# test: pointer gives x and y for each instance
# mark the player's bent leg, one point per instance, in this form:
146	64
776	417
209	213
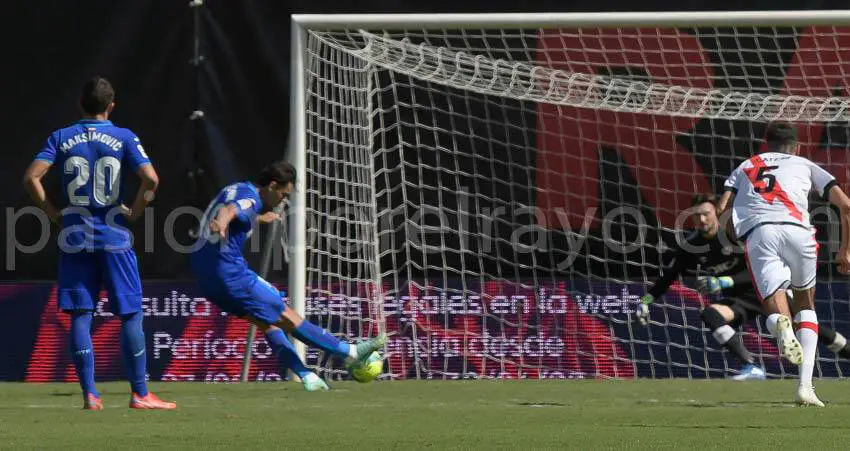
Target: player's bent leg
835	341
717	317
779	325
777	303
801	255
285	351
288	358
789	345
266	305
314	335
727	315
771	277
82	353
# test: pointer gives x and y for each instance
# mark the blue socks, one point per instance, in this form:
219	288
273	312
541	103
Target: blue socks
132	347
82	351
133	350
316	336
285	353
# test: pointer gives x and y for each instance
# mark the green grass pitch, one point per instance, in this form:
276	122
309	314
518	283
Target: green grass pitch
644	414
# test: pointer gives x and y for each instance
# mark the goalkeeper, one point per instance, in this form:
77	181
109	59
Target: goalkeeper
720	268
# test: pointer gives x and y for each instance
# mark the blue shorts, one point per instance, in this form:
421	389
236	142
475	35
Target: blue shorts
253	296
82	274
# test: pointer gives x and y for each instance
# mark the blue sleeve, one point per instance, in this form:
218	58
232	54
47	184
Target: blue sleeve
48	152
134	154
247	205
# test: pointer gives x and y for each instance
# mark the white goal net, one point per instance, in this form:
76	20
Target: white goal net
498	199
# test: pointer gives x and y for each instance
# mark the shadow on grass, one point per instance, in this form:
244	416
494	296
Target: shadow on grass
726	426
727	404
542	404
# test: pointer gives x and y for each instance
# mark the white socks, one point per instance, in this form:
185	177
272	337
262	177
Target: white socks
771	323
807	333
723	333
839	343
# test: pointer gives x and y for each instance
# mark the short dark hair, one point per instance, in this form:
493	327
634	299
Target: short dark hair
780	134
96	95
281	172
702	198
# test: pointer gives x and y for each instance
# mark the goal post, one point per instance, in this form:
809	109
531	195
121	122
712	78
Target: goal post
297	155
496	190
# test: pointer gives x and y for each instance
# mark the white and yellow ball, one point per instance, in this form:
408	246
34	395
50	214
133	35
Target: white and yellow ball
369	370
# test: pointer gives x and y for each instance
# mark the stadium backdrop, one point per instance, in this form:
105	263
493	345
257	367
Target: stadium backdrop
189	339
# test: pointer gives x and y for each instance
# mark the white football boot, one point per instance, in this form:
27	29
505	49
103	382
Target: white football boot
806	397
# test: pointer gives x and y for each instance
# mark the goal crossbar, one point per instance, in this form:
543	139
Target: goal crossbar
601	20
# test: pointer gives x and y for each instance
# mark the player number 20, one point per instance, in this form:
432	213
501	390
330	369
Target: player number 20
107	173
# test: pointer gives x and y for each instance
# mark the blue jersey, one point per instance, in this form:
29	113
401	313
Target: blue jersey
222	263
94	158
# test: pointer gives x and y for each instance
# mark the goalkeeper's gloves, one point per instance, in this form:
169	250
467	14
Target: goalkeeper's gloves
712	285
642	309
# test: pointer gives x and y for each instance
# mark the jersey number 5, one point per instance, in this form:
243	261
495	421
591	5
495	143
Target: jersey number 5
766	181
107	180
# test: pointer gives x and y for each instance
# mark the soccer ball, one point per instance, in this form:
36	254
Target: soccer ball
368	370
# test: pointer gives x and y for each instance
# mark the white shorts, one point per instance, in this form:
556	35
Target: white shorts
780	256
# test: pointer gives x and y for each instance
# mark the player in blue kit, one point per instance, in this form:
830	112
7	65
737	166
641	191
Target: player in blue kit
94	158
224	277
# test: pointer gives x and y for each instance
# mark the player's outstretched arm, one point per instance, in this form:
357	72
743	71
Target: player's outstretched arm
223	218
268	217
32	183
840	200
147	187
675	262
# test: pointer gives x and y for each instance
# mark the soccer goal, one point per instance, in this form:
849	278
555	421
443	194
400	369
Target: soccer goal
495	190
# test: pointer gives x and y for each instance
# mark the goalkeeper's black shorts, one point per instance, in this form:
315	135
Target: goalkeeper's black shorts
748	305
